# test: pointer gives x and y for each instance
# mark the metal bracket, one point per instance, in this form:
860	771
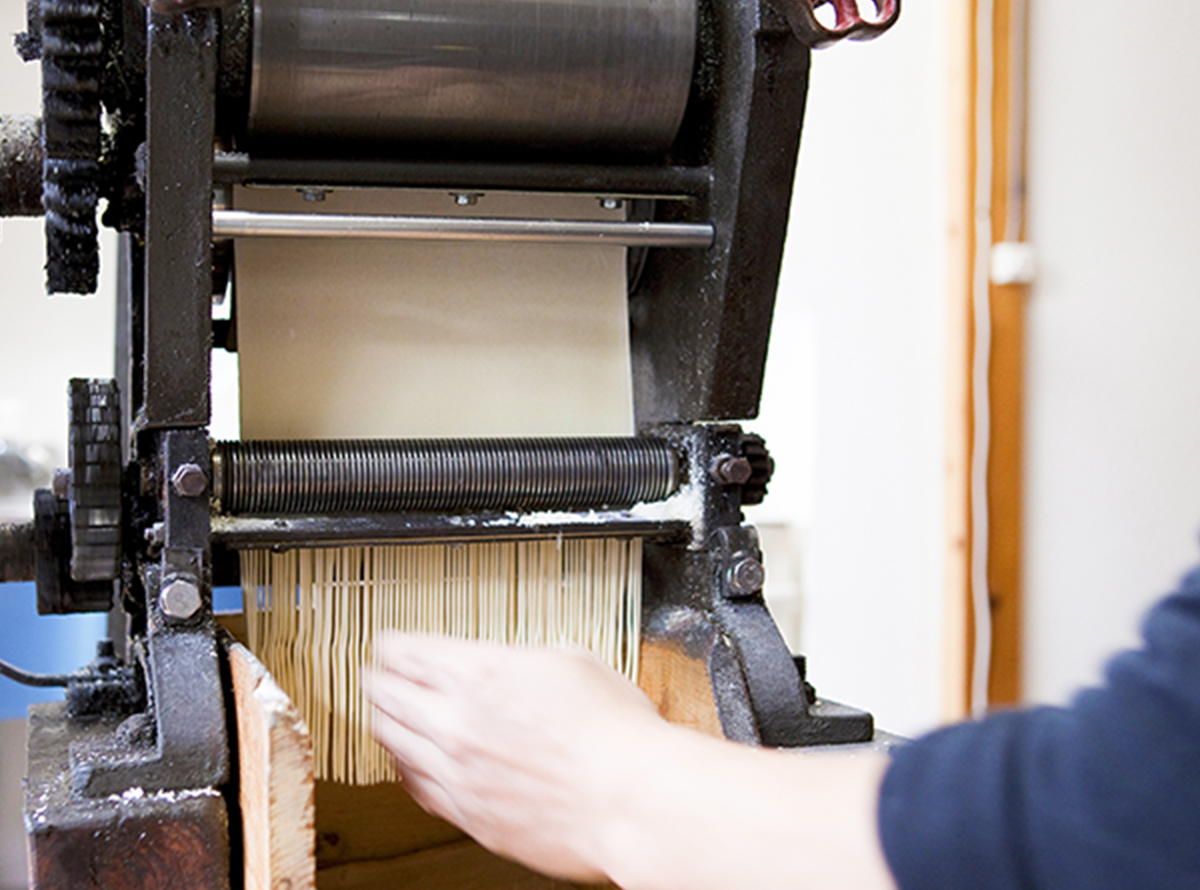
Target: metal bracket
785	707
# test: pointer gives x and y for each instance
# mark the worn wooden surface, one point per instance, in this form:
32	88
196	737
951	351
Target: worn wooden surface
1006	375
679	684
374	822
275	780
462	865
960	234
138	840
375	837
1005	369
234	623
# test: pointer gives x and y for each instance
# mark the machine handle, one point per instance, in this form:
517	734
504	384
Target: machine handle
848	22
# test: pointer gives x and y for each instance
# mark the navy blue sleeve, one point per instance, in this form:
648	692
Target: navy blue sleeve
1102	794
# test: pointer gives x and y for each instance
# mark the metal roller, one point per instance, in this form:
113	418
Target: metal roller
439	475
546	74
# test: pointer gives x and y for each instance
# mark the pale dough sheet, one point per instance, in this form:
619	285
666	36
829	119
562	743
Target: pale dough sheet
362	338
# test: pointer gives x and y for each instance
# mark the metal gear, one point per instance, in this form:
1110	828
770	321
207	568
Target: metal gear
71	49
95	493
762	467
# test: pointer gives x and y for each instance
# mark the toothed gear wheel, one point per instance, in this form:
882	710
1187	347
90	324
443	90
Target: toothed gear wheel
71	47
95	492
762	466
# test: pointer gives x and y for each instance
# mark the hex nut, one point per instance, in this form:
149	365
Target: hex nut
61	484
180	599
746	577
189	481
730	470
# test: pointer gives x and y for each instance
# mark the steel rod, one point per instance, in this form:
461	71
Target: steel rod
242	223
439	475
258	533
230	168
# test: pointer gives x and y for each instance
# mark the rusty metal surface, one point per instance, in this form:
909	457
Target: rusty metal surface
180	114
17	553
699	321
136	839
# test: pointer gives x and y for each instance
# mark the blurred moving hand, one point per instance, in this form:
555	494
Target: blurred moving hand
550	758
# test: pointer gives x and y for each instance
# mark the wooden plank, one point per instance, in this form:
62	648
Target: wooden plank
275	780
1005	375
463	865
234	624
960	235
1005	494
679	684
1006	372
374	822
1006	361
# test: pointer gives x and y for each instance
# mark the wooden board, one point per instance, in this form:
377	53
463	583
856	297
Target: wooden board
300	834
275	780
459	866
357	823
679	685
1006	365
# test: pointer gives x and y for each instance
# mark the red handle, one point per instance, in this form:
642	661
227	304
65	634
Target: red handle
848	22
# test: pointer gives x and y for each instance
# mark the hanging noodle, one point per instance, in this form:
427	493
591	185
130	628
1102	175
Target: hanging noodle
313	615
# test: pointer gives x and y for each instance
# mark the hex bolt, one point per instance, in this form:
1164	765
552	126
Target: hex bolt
61	484
745	577
189	481
180	599
729	469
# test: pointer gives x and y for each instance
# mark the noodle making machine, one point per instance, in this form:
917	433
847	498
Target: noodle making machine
686	112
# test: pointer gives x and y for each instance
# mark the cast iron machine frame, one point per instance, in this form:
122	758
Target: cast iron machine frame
148	508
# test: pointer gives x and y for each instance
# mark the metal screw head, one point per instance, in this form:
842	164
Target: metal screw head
189	481
746	576
730	470
610	203
314	196
466	199
61	483
180	599
155	534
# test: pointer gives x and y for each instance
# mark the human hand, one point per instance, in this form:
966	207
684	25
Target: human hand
521	748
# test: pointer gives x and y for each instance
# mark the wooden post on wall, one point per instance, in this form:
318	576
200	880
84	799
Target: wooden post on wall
960	237
1005	371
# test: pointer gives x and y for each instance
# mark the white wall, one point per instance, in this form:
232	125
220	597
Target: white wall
855	400
1113	450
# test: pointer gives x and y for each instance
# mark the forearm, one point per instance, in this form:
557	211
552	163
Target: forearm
696	812
552	759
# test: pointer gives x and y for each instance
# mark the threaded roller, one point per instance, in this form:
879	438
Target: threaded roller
441	475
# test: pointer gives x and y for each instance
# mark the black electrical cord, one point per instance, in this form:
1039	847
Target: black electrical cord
30	679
